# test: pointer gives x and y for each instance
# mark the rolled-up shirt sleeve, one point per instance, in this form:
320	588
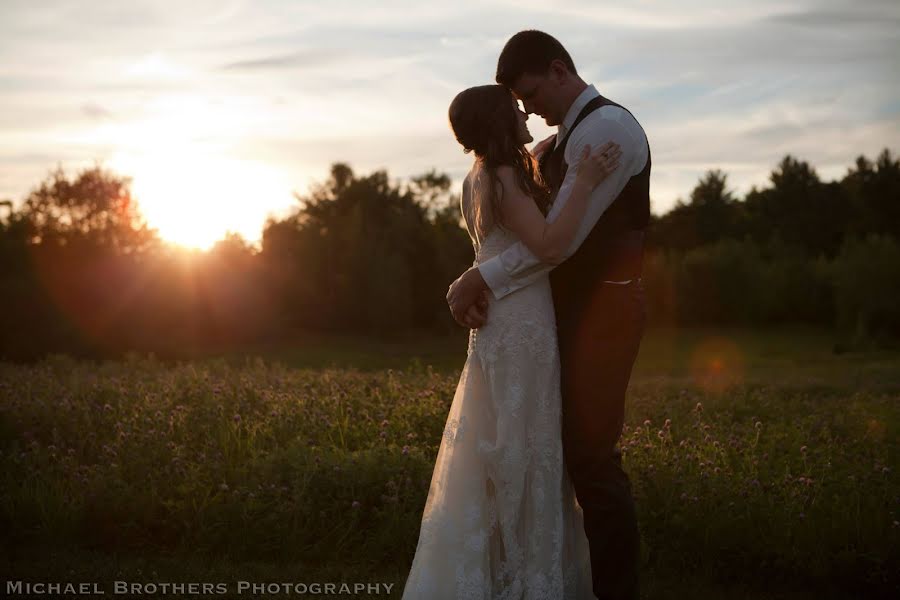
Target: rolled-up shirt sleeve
516	266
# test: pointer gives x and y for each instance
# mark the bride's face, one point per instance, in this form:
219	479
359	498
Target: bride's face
523	136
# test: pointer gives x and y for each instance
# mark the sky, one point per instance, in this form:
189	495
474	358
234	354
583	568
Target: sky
221	110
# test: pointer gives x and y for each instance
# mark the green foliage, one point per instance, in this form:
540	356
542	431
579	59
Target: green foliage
384	253
786	254
738	283
797	209
714	281
711	215
866	279
874	192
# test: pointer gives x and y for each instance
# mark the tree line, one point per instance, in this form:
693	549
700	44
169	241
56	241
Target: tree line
797	251
83	273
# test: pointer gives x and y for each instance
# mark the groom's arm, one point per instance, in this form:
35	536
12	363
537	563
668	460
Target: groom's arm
517	267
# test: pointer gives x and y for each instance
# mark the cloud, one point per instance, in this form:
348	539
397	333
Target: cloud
308	58
873	15
304	84
95	111
834	18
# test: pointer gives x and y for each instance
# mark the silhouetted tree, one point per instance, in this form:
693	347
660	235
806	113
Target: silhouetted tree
95	208
365	254
873	190
799	209
81	272
711	215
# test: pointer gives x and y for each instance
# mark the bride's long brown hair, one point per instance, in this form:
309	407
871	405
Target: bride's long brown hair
483	120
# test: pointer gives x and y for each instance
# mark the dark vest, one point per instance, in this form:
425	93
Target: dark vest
614	248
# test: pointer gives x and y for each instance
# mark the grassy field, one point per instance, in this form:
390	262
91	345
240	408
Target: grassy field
763	465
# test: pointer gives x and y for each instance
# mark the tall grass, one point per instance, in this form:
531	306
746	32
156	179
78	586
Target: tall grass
778	483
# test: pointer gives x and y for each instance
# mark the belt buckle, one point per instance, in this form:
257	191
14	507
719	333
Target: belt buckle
632	281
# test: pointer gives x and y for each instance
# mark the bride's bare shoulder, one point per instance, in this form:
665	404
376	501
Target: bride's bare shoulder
508	182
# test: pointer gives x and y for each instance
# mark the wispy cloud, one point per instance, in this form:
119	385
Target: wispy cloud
316	58
95	111
301	84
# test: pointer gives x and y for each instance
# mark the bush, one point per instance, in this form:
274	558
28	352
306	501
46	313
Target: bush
866	282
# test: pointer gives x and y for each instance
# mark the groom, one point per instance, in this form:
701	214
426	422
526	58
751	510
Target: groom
597	292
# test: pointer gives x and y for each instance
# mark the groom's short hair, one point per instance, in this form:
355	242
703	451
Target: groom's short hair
530	51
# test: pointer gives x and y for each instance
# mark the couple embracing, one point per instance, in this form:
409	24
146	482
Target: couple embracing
528	499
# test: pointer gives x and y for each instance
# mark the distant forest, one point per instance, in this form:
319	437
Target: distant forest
82	273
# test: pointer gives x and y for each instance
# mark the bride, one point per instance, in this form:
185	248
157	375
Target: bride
501	520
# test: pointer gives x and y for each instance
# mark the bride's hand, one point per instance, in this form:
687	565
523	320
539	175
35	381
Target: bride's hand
597	166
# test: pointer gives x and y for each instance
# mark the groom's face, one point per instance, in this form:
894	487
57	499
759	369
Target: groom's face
538	94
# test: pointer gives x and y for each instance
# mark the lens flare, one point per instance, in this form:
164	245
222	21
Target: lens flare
717	364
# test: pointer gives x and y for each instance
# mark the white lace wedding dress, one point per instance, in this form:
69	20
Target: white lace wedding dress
501	520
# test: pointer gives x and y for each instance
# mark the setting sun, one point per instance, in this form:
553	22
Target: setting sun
193	200
190	179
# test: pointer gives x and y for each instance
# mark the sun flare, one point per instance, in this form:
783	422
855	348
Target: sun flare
186	179
193	199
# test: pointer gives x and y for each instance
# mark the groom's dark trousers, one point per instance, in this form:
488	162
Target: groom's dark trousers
599	326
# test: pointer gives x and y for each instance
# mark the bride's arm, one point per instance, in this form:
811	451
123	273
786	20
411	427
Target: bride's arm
549	241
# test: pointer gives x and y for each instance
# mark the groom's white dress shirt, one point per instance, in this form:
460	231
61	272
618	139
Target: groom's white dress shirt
517	267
